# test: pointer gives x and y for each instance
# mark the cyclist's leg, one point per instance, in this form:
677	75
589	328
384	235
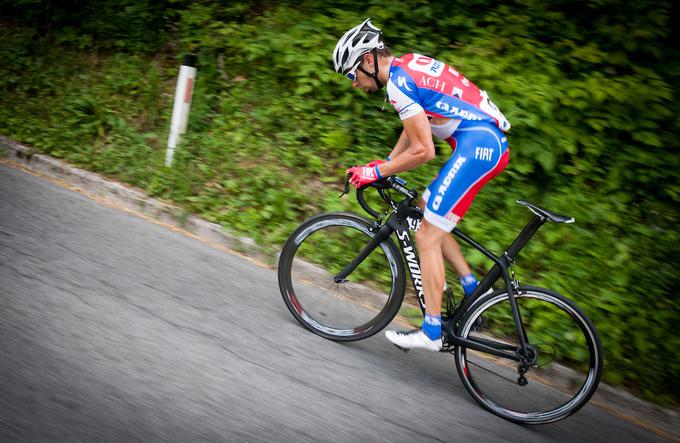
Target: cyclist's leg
451	252
450	247
480	153
429	239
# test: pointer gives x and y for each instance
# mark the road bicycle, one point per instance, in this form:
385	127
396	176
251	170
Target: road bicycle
526	354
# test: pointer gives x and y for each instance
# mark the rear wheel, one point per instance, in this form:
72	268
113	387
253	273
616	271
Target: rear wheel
558	374
356	308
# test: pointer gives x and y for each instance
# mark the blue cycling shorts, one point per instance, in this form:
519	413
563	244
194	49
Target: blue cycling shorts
480	152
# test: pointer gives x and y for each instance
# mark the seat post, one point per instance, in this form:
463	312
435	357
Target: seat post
524	236
509	256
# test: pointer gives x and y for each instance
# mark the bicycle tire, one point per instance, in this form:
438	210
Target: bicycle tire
554	393
306	280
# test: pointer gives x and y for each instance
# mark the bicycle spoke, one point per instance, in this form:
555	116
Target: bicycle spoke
494	373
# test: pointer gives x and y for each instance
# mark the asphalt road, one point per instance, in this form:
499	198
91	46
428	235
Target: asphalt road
114	328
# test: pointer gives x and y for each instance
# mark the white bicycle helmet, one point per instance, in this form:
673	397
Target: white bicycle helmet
355	43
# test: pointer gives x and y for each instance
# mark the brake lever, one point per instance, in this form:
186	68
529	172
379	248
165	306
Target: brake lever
346	191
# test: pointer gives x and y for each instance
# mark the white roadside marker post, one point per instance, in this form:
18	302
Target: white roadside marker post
180	112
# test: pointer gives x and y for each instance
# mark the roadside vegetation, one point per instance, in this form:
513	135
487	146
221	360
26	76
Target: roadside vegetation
587	86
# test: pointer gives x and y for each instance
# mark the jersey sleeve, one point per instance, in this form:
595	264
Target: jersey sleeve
403	95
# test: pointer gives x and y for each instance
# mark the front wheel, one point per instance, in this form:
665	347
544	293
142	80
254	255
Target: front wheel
554	377
356	307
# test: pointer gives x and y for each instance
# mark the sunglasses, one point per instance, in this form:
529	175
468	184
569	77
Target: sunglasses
352	74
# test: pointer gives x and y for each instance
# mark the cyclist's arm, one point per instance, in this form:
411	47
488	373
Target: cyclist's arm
420	146
401	146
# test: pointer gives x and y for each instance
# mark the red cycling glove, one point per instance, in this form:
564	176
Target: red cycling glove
363	175
376	162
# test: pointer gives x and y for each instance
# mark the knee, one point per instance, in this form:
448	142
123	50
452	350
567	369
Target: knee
427	236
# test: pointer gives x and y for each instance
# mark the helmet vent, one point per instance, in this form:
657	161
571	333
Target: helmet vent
345	56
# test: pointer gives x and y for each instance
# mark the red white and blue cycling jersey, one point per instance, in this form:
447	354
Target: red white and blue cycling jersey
418	83
475	131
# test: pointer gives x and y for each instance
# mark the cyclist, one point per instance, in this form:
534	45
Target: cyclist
432	98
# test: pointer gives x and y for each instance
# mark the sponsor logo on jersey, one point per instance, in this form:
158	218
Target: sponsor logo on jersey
432	83
482	153
426	65
452	217
490	108
462	113
447	182
421	60
401	81
396	105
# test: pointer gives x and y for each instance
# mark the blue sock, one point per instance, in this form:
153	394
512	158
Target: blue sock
469	283
432	326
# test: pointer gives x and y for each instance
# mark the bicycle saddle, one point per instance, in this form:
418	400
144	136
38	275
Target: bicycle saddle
557	218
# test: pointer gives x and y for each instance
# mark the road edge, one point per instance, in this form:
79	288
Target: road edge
664	422
131	199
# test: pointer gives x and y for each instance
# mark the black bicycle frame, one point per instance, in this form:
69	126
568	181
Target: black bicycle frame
501	268
397	223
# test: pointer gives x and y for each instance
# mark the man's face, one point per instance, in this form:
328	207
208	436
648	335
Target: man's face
363	81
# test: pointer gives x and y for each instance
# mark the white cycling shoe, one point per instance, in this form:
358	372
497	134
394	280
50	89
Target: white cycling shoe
415	339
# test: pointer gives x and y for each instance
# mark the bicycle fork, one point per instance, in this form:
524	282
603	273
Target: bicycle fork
384	233
393	224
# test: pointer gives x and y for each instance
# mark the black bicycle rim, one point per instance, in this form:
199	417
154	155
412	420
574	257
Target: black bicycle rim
299	295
